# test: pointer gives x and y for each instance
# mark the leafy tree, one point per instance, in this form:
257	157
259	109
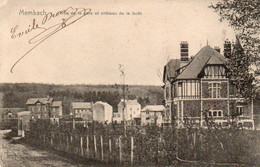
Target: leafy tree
243	16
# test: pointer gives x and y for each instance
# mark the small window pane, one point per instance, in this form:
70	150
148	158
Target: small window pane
219	114
215	113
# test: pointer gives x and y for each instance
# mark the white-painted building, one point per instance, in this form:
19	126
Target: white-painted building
102	112
130	110
152	114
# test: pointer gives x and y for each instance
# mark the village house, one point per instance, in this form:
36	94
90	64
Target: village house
102	112
9	113
56	109
82	110
39	107
152	114
128	110
23	123
199	87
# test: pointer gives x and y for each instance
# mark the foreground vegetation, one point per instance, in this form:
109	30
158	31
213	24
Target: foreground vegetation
150	145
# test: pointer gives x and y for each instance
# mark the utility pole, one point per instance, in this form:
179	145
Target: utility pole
122	70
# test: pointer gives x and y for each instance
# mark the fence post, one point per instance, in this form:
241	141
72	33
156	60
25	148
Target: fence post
87	147
95	146
44	138
194	144
101	143
71	144
132	150
120	149
110	146
73	123
81	146
51	139
60	141
67	142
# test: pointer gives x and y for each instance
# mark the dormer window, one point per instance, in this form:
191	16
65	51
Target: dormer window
215	71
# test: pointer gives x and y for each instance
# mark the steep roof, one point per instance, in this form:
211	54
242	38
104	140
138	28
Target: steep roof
129	102
205	56
32	101
170	69
154	108
56	103
81	105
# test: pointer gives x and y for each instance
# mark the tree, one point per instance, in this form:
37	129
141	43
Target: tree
239	72
243	16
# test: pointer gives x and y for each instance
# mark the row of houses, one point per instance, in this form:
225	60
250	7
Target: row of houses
129	111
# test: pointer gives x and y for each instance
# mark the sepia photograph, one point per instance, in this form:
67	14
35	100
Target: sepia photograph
129	83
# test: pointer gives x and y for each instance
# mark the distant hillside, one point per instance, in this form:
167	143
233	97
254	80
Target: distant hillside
15	95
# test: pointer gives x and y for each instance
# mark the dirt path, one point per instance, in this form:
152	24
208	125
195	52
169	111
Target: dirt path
18	155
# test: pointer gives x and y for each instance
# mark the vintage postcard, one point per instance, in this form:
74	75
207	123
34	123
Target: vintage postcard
129	83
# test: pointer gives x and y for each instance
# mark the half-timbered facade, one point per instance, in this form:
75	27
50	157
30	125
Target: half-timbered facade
199	88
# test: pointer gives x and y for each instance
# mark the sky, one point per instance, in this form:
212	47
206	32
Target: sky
90	50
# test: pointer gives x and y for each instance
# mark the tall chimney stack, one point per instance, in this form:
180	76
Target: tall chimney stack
184	51
217	48
227	49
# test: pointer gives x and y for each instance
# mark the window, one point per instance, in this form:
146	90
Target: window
180	92
215	90
167	92
215	72
147	112
220	114
215	113
240	110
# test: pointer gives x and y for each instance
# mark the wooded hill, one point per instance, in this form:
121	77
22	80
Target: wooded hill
16	94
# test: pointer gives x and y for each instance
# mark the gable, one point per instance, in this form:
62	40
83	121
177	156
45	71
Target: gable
205	56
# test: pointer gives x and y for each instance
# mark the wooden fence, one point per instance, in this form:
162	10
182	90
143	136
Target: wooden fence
154	146
116	149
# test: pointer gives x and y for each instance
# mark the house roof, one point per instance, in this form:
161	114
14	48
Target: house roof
102	103
205	56
170	69
81	105
129	102
24	113
57	104
32	101
155	108
13	110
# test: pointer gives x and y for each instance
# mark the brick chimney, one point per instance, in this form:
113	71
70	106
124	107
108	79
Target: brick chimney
184	46
227	49
217	48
